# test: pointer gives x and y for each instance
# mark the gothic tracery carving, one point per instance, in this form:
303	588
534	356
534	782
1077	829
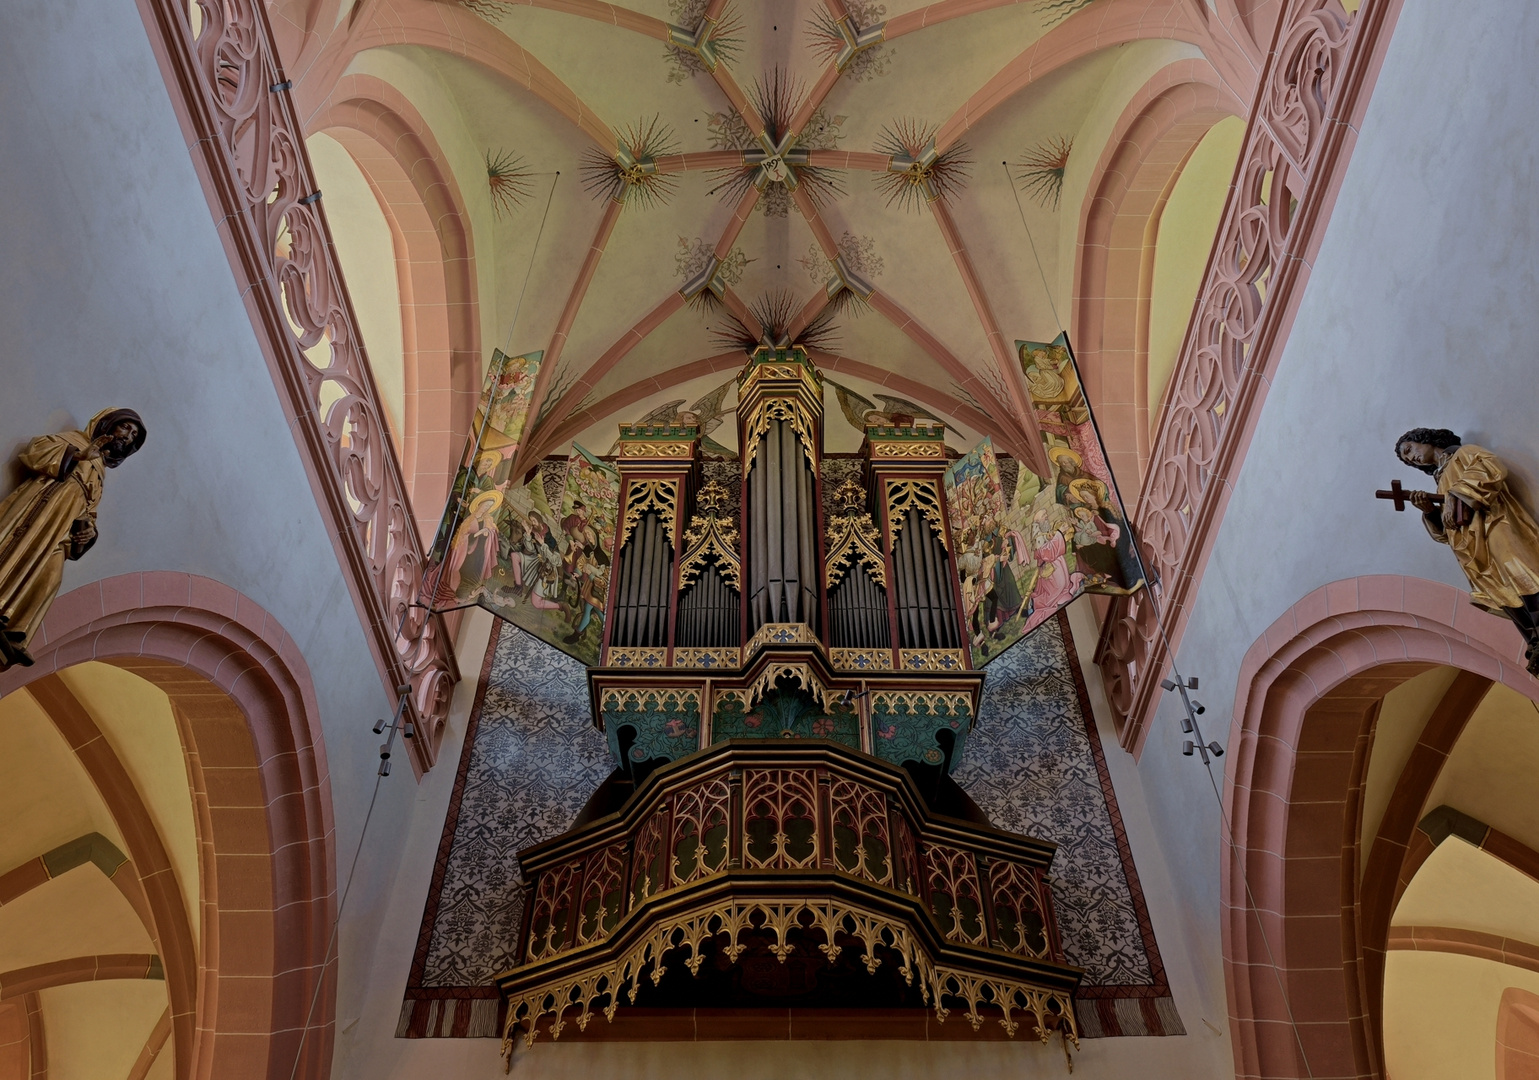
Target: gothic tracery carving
252	144
1314	79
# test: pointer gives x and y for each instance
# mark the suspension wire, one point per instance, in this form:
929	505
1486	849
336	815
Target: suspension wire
1010	183
320	982
1159	620
405	691
532	253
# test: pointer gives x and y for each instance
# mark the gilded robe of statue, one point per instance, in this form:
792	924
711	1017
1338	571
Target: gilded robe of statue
1499	548
51	517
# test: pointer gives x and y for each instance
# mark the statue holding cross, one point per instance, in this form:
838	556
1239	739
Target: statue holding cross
1475	513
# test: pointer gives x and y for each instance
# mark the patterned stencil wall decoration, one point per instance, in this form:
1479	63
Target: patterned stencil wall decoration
1033	763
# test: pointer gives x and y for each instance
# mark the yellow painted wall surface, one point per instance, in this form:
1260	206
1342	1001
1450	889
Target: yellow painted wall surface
367	252
1490	773
1440	1014
96	1030
1186	235
1402	717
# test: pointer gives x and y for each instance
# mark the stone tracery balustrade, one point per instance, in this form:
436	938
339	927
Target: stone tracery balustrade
1311	96
230	92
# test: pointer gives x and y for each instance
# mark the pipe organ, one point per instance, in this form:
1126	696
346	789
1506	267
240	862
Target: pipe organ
813	602
778	552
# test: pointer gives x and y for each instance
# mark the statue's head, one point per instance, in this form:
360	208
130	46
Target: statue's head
127	433
1416	447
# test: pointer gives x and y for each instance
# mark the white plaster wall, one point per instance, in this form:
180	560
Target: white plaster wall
1420	310
115	291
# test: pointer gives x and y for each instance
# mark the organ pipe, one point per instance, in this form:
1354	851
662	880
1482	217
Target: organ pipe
858	610
782	526
708	612
646	570
927	616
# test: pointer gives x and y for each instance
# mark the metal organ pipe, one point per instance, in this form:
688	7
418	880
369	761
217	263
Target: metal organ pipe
645	565
625	628
928	578
708	611
806	534
926	605
782	560
859	610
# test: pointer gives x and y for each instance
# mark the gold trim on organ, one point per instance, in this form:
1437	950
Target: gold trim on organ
656	449
780	633
906	495
778	408
931	660
644	495
636	657
708	535
884	451
853	537
582	993
637	699
861	659
717	656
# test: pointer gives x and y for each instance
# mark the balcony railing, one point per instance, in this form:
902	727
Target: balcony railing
824	859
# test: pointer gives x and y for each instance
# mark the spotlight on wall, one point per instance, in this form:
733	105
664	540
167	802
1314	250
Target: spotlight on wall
398	725
1189	726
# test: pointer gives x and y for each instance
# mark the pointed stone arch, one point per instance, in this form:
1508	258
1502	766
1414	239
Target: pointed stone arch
1149	146
1294	917
250	724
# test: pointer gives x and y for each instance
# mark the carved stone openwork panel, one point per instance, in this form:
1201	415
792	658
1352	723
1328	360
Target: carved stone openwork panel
1315	82
754	864
250	145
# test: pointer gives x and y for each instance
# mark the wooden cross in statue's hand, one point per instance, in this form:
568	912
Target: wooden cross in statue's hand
1400	496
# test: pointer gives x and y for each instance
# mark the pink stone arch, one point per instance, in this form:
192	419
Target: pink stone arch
242	691
435	270
1149	146
1307	693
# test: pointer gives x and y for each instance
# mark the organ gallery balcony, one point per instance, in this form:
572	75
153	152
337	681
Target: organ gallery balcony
797	874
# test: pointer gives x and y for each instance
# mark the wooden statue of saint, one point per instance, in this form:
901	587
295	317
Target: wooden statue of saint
1475	513
51	517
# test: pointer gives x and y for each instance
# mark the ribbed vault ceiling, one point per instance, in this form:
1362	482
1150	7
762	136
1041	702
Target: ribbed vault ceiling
956	280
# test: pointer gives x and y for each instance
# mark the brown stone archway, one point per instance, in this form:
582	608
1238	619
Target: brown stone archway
246	710
1303	938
